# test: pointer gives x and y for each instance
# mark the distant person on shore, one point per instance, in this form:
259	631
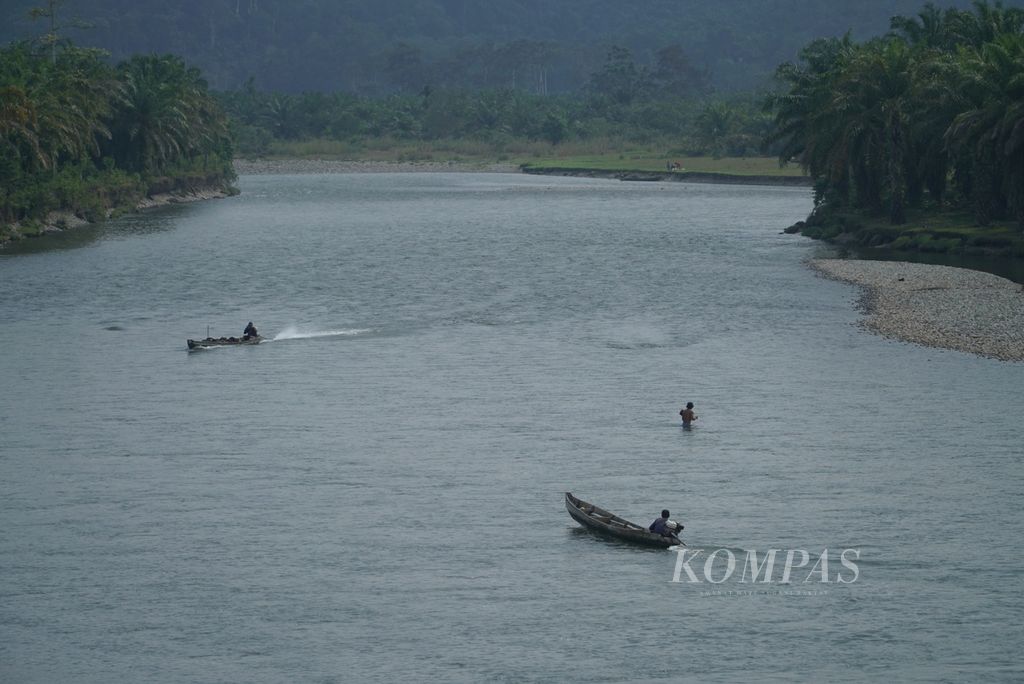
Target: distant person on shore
688	415
250	332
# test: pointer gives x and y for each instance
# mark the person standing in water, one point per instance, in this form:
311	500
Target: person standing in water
688	415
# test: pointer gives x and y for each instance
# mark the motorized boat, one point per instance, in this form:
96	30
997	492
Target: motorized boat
605	522
210	342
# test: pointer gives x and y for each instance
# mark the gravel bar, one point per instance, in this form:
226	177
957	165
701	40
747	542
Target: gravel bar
937	306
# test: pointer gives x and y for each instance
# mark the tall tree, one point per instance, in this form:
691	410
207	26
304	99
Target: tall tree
991	128
620	79
165	114
806	126
875	102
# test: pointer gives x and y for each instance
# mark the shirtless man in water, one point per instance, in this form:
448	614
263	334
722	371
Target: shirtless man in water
688	415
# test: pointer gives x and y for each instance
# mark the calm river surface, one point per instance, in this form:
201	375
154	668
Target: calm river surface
377	493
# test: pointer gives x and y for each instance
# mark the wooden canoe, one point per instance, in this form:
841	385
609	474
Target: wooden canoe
605	522
222	342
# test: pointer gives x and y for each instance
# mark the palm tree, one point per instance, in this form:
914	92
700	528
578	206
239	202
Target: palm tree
165	115
875	99
53	112
991	129
937	101
805	126
930	29
19	126
74	103
984	24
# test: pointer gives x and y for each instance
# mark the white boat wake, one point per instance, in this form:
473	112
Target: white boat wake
294	333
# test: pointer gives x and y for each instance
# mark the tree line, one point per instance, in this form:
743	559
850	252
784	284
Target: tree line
78	133
671	103
374	48
929	115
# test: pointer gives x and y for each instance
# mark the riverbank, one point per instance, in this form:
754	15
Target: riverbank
61	220
319	166
937	306
926	231
646	166
669	176
246	167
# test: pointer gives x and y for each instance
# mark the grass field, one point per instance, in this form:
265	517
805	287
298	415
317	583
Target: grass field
606	154
645	161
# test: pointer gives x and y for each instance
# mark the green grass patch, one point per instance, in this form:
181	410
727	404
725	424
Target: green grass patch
385	149
648	161
597	154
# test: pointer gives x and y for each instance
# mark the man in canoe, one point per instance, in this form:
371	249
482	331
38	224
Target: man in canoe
665	527
688	415
250	332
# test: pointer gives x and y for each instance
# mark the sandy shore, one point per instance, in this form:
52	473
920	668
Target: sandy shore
245	167
938	306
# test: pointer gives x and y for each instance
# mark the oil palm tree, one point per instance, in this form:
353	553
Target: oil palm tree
929	29
166	114
991	128
805	126
74	103
52	112
19	126
875	102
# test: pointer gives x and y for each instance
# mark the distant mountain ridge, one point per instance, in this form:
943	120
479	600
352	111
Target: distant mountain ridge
381	46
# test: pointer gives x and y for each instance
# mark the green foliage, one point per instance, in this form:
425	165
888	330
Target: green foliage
164	115
931	114
259	119
78	135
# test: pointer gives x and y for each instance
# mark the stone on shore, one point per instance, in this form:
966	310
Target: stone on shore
938	306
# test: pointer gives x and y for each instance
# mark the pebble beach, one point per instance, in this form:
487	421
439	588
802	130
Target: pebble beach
937	306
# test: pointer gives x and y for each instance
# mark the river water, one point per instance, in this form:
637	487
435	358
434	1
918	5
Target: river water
376	493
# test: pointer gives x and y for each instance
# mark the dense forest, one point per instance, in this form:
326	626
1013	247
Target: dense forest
931	114
79	134
377	47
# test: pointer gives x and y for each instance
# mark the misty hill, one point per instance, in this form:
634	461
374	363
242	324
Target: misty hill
380	46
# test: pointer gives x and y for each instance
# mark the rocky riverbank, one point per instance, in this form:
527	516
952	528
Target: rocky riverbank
164	198
59	221
246	167
937	306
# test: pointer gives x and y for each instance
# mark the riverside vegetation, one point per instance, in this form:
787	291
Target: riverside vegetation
915	140
80	139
